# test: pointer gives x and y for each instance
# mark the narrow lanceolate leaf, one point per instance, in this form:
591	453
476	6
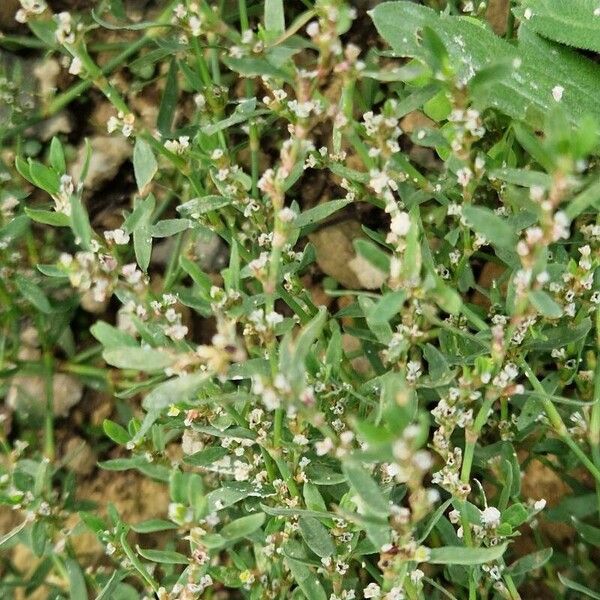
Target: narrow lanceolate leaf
316	536
33	294
577	587
179	389
165	557
144	163
77	588
80	223
321	212
366	489
307	581
530	562
274	17
140	359
460	555
545	305
493	228
525	91
574	23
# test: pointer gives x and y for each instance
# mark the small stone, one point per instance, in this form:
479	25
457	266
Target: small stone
27	394
107	156
79	456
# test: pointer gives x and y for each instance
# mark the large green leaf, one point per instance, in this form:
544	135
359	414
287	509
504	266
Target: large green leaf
576	22
524	91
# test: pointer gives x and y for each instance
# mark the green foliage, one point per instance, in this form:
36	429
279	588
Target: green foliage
320	312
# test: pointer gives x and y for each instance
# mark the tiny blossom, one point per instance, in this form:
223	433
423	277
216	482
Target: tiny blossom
400	224
30	8
76	66
557	92
118	236
464	176
372	591
64	31
490	517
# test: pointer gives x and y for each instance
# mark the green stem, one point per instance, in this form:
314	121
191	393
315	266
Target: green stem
49	449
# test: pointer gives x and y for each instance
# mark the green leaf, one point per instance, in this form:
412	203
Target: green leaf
574	24
515	515
206	457
166	112
111	337
530	562
200	206
242	113
115	432
316	536
169	227
142	236
494	228
80	223
201	279
145	359
573	585
107	591
522	177
557	337
33	294
164	557
179	389
461	555
589	534
545	305
44	177
320	212
243	527
274	16
15	228
589	197
57	156
525	91
144	163
307	581
5	539
77	589
153	525
48	217
373	253
228	495
366	489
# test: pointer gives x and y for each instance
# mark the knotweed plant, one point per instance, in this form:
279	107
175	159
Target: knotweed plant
339	298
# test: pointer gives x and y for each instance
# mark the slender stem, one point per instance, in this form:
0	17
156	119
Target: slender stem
49	449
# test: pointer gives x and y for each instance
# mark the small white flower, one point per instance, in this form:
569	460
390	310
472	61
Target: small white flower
528	13
287	215
312	29
490	517
323	447
400	224
372	591
540	504
76	66
464	176
557	92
